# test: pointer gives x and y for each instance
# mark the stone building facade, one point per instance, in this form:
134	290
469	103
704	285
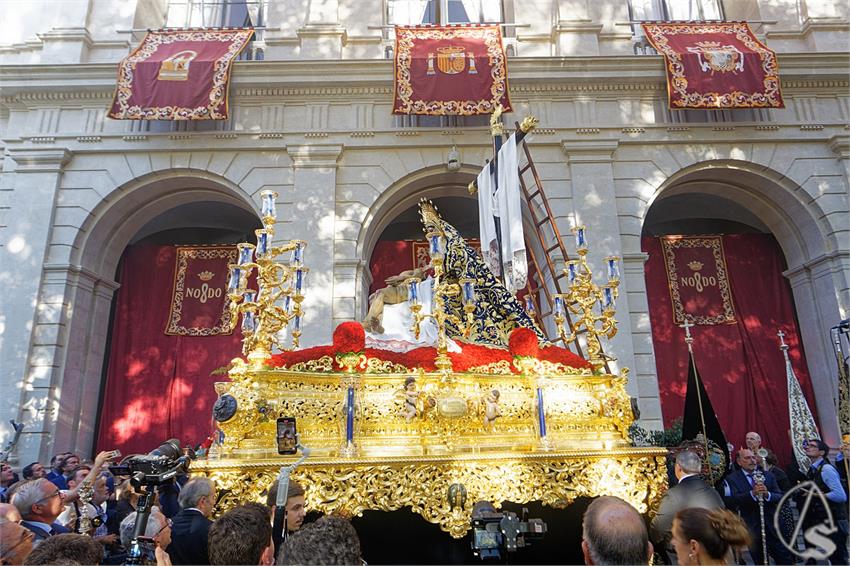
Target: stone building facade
310	119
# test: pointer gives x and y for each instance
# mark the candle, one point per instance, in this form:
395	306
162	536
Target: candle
267	199
248	322
541	413
581	240
297	253
613	268
349	416
529	305
235	277
413	291
608	295
436	245
300	273
572	270
250	296
287	303
468	289
246	253
296	323
559	305
262	243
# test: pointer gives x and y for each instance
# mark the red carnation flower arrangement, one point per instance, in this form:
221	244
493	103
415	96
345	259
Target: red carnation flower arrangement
523	343
349	337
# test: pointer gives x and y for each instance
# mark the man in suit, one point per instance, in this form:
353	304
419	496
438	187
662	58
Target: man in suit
40	502
690	491
7	477
190	527
742	493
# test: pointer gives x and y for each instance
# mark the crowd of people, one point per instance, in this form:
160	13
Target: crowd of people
77	512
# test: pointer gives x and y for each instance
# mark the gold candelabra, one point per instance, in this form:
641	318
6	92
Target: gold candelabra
440	291
593	305
268	310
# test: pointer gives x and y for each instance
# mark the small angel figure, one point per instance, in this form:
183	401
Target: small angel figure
491	408
411	397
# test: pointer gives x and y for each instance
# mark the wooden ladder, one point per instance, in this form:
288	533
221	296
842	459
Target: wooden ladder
551	242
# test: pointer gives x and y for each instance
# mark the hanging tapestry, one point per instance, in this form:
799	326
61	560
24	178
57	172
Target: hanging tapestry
451	70
716	65
178	75
199	303
697	280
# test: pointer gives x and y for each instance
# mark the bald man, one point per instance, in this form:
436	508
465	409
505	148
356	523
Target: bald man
613	532
9	512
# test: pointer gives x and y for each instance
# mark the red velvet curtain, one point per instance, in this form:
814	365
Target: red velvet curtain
157	386
740	363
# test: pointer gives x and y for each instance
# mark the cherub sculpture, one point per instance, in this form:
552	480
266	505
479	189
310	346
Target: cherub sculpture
410	397
491	408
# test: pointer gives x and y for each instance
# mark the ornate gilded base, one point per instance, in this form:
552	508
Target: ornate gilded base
443	489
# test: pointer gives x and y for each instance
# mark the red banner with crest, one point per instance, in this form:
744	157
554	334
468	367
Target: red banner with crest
716	65
199	303
450	70
178	75
698	280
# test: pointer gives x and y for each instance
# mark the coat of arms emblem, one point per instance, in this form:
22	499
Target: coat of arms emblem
714	57
176	67
451	60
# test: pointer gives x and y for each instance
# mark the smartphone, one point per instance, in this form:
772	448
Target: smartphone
286	436
146	549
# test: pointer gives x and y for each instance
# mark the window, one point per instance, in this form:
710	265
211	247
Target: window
221	13
442	12
669	10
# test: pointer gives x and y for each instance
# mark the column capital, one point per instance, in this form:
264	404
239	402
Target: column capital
304	156
840	145
590	151
40	160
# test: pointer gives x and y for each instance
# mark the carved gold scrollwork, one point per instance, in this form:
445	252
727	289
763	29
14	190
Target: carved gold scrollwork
636	475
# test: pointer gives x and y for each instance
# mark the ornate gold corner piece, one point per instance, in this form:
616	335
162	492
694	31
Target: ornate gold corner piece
636	475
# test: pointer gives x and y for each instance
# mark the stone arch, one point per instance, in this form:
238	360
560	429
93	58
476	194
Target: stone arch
795	219
89	284
428	182
807	240
119	216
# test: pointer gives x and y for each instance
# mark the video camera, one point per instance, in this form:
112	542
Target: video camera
159	466
493	531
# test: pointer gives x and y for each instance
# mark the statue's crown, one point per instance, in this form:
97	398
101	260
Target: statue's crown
429	213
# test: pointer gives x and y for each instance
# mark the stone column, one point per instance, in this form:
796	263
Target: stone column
574	31
814	294
595	206
84	342
314	177
28	357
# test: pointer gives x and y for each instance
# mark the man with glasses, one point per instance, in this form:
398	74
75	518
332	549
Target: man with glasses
158	528
40	502
15	542
825	476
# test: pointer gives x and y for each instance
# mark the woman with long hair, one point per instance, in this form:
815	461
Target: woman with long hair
703	536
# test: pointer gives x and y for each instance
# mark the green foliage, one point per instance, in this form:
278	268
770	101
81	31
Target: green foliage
669	437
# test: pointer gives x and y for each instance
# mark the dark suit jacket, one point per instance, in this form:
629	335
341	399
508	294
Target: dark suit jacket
41	534
741	499
189	533
690	492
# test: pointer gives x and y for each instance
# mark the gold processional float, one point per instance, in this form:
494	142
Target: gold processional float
508	418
